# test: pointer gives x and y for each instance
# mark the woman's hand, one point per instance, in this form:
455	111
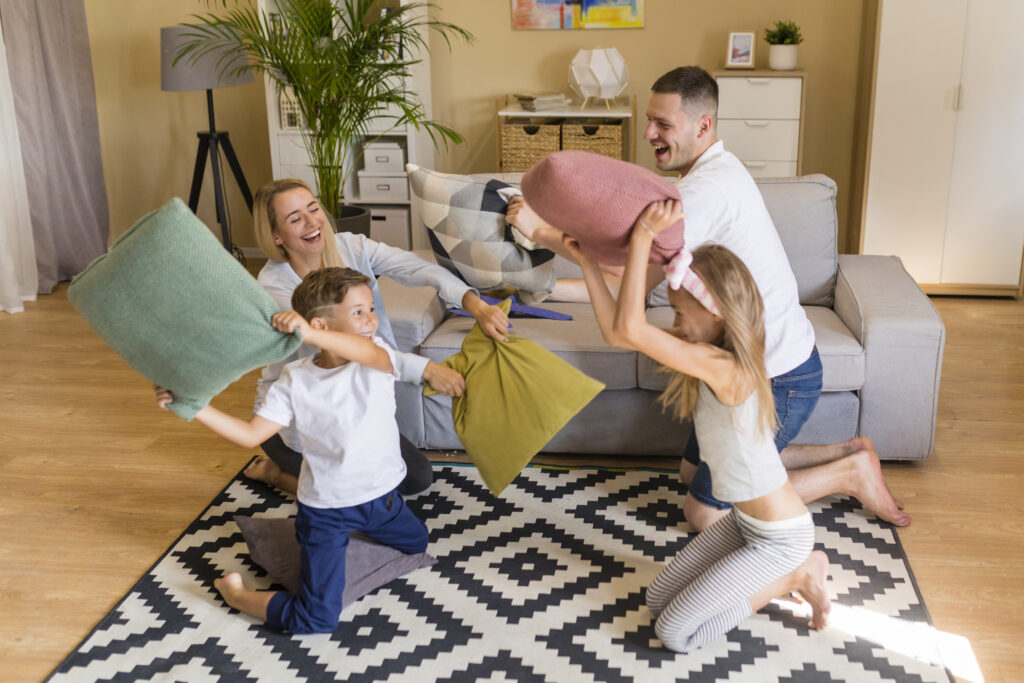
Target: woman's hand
658	217
444	380
163	396
492	320
291	322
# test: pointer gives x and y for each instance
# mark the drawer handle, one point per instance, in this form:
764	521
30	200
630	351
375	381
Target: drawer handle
756	124
759	81
383	187
755	164
381	159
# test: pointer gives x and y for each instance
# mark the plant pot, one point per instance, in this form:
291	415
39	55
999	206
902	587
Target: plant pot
782	57
354	219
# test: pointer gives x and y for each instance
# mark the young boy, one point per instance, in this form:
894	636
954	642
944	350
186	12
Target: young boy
343	403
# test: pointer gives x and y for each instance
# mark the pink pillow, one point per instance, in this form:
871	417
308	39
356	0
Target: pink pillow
597	199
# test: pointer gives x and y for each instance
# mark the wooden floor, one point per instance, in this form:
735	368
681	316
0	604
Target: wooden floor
99	482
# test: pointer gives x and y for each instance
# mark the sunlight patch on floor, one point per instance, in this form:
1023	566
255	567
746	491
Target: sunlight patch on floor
918	640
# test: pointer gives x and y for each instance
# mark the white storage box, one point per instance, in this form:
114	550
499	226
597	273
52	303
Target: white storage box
390	226
383	188
384	157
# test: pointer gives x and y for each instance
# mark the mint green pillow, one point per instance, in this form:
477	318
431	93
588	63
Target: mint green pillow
178	308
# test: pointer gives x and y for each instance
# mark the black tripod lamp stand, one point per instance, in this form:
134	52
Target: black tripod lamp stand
205	74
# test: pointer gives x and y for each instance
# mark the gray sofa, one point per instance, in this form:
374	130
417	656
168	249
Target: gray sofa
879	337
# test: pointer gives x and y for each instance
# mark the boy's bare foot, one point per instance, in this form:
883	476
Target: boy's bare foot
262	469
229	586
810	581
868	486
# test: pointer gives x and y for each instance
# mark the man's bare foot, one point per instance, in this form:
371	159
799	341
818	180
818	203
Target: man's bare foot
867	485
229	586
810	581
263	469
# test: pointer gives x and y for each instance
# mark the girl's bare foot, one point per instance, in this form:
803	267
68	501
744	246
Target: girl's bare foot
262	469
868	486
810	582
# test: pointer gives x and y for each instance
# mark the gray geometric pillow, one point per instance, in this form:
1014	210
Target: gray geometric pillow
465	221
368	564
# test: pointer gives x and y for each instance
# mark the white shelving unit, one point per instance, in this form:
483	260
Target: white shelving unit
386	192
760	119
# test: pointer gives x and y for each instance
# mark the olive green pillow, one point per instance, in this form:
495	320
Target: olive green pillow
518	396
177	307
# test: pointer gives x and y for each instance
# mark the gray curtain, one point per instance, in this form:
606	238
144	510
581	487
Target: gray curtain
50	67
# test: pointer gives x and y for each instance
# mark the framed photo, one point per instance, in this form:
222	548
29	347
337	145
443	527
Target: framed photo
741	51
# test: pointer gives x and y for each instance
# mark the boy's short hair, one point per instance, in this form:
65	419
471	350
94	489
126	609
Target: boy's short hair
325	287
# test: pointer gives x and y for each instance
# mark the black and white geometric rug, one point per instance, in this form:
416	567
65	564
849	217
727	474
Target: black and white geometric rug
544	583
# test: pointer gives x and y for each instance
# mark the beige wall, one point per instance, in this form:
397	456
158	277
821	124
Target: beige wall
148	136
149	142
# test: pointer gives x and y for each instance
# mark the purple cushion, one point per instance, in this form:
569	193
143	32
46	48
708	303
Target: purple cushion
368	564
597	199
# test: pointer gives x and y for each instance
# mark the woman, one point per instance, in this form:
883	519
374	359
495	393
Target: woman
294	232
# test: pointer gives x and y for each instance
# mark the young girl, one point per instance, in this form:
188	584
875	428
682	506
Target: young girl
763	548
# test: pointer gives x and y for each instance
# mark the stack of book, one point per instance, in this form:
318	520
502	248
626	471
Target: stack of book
543	101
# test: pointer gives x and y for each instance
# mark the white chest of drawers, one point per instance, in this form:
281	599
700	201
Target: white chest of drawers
760	119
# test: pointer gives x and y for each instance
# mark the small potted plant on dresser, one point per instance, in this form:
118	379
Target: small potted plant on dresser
783	40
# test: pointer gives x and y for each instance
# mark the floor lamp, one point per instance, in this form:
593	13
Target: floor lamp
205	74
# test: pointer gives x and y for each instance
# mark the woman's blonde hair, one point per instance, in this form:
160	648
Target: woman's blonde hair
739	302
264	223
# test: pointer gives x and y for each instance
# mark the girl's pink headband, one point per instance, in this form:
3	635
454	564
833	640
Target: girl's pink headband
679	274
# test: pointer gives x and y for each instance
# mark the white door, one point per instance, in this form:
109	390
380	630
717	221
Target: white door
919	58
985	223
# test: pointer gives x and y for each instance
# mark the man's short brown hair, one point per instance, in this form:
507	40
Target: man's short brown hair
695	86
325	287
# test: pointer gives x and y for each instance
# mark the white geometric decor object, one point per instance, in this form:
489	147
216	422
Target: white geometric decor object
600	73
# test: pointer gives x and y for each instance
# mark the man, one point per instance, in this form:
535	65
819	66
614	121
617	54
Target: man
723	205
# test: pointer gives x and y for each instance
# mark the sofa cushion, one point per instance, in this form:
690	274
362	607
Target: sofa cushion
177	307
842	357
577	341
465	222
597	200
804	212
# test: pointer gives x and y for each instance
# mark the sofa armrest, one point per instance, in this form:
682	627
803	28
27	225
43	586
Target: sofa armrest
414	312
903	338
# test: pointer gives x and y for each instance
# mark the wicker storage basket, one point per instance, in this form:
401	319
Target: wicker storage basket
524	143
599	137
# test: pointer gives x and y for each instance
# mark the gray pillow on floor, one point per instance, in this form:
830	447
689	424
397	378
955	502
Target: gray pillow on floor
368	564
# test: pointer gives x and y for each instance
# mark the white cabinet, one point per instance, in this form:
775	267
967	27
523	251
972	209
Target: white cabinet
947	145
760	117
381	186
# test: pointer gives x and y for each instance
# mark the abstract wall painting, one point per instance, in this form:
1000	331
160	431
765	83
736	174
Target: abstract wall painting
575	14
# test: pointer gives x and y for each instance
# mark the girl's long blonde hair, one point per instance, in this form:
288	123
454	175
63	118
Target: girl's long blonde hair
739	302
265	223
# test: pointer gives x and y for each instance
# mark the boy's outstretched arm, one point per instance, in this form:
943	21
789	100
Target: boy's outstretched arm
246	434
349	346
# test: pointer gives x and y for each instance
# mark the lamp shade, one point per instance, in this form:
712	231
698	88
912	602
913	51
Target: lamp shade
598	73
203	74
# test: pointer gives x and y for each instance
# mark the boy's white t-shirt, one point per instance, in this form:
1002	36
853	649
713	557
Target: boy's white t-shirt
345	424
722	204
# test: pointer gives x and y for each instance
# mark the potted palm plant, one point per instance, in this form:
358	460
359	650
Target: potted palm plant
783	39
345	63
